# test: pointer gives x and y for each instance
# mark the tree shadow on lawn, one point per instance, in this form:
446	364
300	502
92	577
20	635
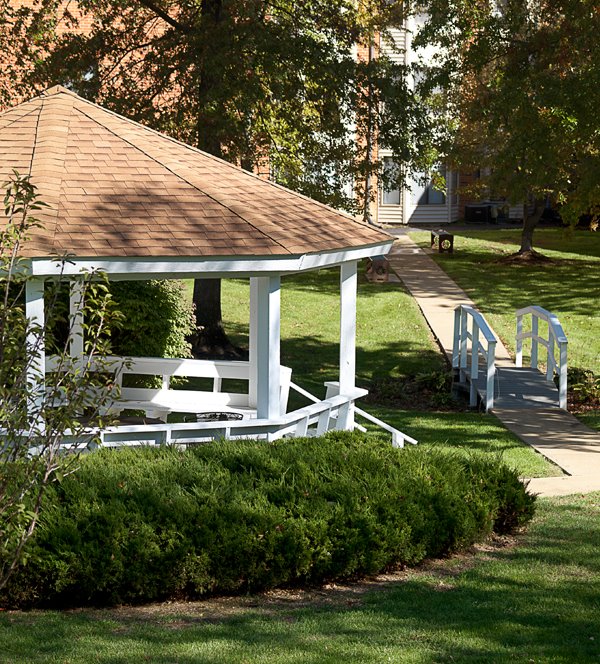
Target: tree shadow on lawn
309	354
536	601
583	243
327	281
314	361
562	286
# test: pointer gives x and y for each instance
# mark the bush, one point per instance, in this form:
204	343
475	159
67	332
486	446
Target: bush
148	524
584	389
158	319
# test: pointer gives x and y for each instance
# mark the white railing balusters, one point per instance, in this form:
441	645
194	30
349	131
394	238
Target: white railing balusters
480	331
556	338
323	423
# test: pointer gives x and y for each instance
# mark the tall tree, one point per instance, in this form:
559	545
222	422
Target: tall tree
521	87
274	86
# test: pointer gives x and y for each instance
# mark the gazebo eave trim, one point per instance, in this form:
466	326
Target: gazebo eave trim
130	268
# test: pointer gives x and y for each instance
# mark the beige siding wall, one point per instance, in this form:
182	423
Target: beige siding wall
429	214
390	214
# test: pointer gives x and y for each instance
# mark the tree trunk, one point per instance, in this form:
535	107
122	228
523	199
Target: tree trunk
210	340
530	222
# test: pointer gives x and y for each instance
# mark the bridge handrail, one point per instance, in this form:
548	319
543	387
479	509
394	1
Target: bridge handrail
460	355
556	337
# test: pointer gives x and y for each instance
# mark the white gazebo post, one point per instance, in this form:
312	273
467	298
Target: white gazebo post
265	363
348	285
36	368
76	291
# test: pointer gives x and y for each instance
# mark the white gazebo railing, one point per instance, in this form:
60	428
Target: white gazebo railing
398	437
469	346
556	339
335	412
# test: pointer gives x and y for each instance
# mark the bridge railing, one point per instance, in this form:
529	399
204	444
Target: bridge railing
556	340
473	338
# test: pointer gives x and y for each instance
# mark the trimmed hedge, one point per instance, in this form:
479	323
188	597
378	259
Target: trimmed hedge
148	524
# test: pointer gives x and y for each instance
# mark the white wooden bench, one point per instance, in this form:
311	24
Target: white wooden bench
160	401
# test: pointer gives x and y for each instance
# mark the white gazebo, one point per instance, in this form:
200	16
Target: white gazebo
135	204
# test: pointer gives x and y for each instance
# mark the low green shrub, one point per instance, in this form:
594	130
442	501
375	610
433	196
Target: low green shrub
584	388
148	524
158	319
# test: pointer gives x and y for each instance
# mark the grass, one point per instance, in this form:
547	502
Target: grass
469	433
567	285
392	338
537	602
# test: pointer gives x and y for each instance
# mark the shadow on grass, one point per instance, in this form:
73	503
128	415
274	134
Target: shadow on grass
314	360
536	602
328	281
563	285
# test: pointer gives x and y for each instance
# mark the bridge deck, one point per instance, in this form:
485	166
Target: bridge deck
520	388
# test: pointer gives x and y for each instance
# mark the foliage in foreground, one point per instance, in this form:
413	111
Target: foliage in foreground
159	319
149	524
37	407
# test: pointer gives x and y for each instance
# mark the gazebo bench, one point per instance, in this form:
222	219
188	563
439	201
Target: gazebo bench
158	402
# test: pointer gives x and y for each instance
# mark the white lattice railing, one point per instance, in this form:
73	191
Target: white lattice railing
398	437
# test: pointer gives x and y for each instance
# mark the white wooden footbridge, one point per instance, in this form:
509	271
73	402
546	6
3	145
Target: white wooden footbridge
503	384
526	400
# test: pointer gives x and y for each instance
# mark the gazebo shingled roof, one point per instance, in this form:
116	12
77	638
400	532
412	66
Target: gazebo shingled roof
118	189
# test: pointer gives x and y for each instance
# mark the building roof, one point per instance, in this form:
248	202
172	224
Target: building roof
118	189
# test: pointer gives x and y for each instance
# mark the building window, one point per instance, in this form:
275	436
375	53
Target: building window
424	192
390	190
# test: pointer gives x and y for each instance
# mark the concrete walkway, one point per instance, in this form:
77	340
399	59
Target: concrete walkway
556	434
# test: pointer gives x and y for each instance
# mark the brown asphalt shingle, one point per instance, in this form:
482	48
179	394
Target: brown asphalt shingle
117	189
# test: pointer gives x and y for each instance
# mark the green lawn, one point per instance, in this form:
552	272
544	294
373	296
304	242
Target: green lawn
468	433
537	602
568	286
392	338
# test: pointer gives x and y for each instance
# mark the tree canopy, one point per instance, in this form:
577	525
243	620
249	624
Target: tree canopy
521	86
295	90
273	86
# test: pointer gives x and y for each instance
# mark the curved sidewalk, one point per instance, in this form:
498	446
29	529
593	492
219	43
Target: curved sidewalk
556	434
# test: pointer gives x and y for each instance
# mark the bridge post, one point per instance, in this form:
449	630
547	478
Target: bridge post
474	363
519	354
456	340
534	341
562	382
490	376
463	339
549	361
